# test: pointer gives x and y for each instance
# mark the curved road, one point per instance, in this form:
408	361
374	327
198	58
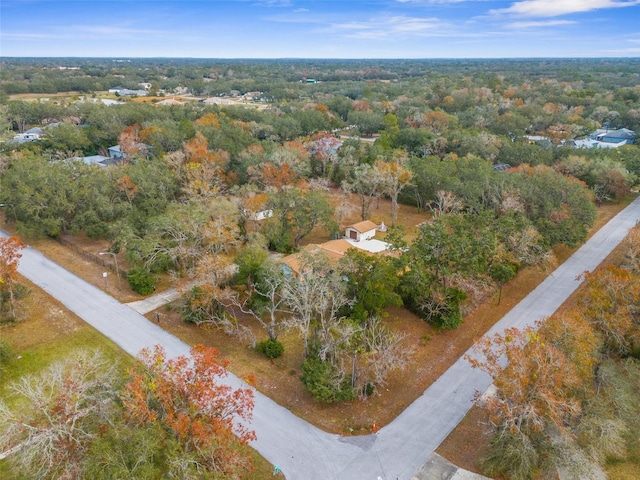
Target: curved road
302	451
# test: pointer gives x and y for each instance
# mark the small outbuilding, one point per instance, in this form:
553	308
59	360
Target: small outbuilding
360	231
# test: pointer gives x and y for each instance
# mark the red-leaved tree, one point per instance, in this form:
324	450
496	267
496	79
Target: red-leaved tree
9	256
206	417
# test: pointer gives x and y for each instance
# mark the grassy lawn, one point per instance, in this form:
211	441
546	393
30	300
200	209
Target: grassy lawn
48	332
629	470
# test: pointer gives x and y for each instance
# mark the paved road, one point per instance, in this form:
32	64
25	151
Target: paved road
304	452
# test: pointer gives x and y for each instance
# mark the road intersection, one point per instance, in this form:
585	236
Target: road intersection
302	451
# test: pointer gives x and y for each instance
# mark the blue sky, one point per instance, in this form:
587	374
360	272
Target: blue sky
321	29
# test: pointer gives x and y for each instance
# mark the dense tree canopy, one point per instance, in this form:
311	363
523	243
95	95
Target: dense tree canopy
213	190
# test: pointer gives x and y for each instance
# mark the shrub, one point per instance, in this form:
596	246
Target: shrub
324	382
271	348
141	281
450	317
368	389
197	306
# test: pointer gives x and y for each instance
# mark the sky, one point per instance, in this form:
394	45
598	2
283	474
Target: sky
320	29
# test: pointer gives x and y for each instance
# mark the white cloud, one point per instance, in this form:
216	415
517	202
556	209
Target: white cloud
109	30
392	27
542	24
554	8
83	32
432	2
273	3
26	36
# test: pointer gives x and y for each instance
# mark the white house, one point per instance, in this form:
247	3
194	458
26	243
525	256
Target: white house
260	215
361	231
99	160
218	101
35	133
126	92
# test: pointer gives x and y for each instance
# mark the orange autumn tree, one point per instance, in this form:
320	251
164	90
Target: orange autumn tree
129	141
186	397
208	120
126	186
253	208
534	389
632	251
9	257
437	121
610	301
533	404
571	333
206	171
273	177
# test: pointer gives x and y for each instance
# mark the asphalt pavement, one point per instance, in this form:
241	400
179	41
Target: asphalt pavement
302	451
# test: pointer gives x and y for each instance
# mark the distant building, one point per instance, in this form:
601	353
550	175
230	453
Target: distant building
334	250
537	139
125	92
109	102
35	133
218	101
604	138
117	154
622	135
591	143
501	167
99	160
169	102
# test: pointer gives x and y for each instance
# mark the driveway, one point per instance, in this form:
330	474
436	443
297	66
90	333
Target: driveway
303	452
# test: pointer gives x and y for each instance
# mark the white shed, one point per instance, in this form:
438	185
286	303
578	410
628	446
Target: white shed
361	231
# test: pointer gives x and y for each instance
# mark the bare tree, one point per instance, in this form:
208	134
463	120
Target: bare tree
315	300
205	303
63	409
384	352
395	177
186	234
368	184
526	247
446	202
263	301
